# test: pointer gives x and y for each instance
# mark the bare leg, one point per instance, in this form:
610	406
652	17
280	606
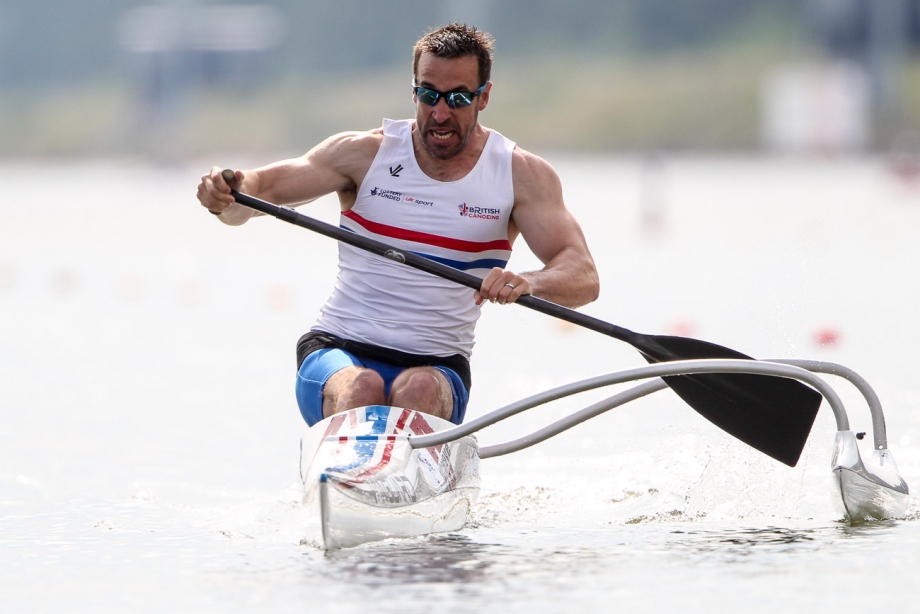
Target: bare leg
423	389
352	387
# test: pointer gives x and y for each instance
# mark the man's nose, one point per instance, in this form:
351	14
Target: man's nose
441	112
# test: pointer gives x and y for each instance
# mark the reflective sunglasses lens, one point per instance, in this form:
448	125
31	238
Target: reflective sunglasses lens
427	96
459	99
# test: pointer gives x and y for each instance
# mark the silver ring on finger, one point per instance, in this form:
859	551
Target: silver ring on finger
509	286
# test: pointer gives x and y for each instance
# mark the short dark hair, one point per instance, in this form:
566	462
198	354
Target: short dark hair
457	40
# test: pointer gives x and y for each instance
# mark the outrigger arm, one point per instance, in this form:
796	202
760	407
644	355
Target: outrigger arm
658	370
872	490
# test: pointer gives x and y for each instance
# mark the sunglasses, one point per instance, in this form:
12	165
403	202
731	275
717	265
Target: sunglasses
455	100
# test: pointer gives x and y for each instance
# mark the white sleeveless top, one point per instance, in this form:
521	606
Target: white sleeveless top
462	223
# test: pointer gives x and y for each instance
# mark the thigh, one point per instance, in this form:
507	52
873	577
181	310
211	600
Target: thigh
460	394
315	371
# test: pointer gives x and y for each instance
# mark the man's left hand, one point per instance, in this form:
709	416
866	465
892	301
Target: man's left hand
502	287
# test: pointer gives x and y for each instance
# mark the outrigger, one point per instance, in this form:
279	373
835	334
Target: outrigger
383	472
377	472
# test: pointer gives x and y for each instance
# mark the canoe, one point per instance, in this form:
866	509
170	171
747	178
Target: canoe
363	481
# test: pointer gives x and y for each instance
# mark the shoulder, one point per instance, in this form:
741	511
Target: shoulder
369	141
523	161
353	143
348	153
531	173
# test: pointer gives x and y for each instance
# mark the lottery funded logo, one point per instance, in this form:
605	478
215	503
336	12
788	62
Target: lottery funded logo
390	194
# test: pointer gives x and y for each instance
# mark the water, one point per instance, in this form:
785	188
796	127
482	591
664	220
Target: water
149	433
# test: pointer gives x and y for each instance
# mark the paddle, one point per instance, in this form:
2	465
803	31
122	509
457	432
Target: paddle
772	414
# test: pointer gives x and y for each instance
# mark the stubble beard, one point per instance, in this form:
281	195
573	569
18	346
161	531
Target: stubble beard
446	153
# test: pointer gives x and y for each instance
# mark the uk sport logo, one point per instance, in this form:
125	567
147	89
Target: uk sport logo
419	201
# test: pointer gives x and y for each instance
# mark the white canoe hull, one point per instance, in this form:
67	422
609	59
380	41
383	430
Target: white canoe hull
364	482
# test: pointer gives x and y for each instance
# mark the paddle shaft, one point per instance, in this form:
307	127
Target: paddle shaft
288	214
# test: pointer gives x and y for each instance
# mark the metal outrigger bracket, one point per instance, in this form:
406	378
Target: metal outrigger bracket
864	490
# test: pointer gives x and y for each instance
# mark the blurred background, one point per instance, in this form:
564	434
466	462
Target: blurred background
184	78
746	172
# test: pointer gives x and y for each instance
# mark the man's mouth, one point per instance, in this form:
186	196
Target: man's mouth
442	135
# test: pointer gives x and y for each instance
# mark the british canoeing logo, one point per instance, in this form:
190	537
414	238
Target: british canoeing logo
482	213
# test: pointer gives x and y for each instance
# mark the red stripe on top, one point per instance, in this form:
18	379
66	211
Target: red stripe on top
401	422
420	426
459	245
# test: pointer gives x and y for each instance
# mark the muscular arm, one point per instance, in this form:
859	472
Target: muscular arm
338	164
568	276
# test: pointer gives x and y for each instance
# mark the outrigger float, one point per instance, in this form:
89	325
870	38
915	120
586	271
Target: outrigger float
378	472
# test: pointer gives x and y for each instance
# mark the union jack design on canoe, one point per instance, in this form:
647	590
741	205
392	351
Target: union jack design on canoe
363	481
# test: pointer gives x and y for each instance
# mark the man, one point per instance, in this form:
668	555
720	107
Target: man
441	185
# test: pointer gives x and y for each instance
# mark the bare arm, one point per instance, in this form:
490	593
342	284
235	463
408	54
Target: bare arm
338	164
568	276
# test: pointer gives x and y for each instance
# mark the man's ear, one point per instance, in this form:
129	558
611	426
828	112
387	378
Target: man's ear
484	96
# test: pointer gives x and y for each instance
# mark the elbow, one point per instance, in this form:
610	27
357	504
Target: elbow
587	290
591	281
592	287
595	288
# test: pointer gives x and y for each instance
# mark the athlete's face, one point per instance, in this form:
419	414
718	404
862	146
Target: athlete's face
445	131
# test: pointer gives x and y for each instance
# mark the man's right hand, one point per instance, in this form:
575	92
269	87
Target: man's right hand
214	195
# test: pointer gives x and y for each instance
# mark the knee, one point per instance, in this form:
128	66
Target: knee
367	386
416	383
352	387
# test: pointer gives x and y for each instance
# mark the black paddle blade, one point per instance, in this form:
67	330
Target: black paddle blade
772	414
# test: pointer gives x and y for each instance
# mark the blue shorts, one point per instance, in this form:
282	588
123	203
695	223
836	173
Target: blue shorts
320	365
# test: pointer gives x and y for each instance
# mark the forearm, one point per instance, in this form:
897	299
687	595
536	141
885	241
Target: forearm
569	279
287	182
261	183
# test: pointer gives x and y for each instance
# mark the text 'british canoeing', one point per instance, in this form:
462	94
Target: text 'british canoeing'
483	213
